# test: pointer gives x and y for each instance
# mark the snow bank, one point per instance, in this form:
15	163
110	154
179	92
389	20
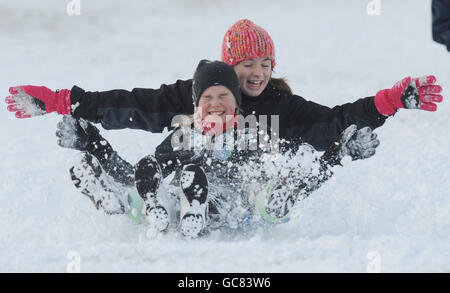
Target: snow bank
390	213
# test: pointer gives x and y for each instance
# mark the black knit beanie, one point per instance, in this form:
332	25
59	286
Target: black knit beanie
210	73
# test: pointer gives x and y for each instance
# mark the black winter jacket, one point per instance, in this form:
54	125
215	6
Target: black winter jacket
214	159
153	110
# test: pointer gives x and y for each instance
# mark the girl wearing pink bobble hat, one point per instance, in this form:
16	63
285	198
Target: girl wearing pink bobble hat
250	49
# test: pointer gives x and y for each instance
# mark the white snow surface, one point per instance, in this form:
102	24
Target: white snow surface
394	206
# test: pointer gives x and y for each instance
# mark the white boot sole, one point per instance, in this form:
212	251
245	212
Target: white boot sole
191	225
158	218
99	189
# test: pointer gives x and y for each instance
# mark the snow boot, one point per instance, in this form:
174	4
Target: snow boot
193	201
274	202
89	177
280	202
148	178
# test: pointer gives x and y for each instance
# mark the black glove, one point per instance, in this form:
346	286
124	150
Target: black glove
77	134
358	144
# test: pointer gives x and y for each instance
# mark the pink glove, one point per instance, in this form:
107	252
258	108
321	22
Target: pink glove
409	93
28	101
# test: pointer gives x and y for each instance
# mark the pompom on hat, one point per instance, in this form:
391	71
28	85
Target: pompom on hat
245	40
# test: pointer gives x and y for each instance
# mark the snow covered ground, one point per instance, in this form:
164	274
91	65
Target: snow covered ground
390	213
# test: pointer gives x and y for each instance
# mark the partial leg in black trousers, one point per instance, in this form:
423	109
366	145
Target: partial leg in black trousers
99	171
89	177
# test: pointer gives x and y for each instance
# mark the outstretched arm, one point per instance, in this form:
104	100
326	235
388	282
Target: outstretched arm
319	125
358	144
147	109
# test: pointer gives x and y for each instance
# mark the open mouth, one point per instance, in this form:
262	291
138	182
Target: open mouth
216	113
255	83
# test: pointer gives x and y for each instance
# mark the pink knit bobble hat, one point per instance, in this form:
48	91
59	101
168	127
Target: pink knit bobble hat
245	40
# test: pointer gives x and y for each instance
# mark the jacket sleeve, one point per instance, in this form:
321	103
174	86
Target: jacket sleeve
112	163
441	22
320	126
147	109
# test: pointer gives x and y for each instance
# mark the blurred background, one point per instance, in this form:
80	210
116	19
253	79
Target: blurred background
332	52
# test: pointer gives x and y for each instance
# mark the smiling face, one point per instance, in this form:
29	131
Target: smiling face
254	75
217	102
